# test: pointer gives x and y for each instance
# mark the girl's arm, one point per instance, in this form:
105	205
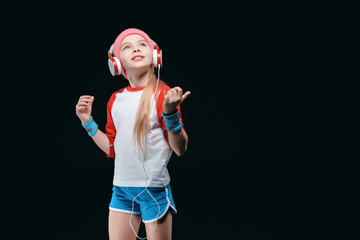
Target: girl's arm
102	141
83	111
178	140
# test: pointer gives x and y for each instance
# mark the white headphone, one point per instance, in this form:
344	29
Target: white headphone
115	65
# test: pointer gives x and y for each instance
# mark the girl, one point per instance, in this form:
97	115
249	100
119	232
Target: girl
144	126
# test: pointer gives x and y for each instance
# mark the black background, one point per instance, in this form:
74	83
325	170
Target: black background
273	117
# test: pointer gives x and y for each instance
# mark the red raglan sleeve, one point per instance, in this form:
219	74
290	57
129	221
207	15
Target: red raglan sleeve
160	110
110	127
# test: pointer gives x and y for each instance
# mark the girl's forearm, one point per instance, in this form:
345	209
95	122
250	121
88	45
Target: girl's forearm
178	141
102	141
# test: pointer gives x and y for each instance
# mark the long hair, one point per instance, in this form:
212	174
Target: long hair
142	122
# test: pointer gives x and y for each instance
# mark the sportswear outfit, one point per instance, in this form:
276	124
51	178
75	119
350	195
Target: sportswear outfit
134	170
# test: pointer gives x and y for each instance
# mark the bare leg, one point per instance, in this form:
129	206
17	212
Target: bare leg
119	226
163	230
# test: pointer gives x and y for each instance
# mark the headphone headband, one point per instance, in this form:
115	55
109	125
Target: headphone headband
110	52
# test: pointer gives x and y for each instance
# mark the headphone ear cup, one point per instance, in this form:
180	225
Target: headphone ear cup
157	58
114	66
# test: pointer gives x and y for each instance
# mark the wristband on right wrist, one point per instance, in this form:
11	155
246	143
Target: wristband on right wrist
91	127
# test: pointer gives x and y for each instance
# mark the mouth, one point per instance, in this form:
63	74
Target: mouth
137	58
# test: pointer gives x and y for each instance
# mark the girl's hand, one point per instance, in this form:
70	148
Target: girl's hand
173	98
83	108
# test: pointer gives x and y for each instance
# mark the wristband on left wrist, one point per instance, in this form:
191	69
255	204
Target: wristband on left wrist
172	122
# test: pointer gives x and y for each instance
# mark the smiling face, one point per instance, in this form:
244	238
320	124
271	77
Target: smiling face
135	53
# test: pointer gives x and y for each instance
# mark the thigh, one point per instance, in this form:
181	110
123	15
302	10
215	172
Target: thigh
163	229
119	226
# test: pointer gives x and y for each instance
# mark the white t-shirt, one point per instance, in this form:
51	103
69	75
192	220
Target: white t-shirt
132	167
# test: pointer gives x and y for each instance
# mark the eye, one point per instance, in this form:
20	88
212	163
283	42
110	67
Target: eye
143	44
126	47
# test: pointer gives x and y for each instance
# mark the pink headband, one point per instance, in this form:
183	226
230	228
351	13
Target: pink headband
121	37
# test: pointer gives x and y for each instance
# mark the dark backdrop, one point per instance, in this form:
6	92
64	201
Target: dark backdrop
273	117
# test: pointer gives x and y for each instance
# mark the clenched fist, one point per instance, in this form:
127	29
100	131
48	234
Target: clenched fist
83	108
173	98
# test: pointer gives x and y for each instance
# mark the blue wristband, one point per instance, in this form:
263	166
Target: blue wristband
91	127
172	122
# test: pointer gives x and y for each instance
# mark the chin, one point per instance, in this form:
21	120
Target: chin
139	65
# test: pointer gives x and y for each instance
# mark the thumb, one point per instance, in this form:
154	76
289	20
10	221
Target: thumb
92	98
185	96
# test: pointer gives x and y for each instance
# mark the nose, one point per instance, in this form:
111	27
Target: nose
136	50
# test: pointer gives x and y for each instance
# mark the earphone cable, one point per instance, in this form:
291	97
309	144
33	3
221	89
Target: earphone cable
146	179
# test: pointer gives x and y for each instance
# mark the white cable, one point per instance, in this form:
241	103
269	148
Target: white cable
158	79
132	208
146	187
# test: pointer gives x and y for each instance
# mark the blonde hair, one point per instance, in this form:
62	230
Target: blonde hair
142	121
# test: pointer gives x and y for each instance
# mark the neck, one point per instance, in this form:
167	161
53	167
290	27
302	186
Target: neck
138	79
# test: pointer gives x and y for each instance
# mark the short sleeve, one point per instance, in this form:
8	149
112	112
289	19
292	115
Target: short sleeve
110	127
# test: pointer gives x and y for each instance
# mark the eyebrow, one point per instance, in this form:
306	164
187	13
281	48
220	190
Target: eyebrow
124	44
141	40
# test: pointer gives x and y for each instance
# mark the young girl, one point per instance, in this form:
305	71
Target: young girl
144	126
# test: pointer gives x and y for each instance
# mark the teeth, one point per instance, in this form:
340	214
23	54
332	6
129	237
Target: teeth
137	58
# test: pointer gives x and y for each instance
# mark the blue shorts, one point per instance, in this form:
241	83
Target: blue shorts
144	204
